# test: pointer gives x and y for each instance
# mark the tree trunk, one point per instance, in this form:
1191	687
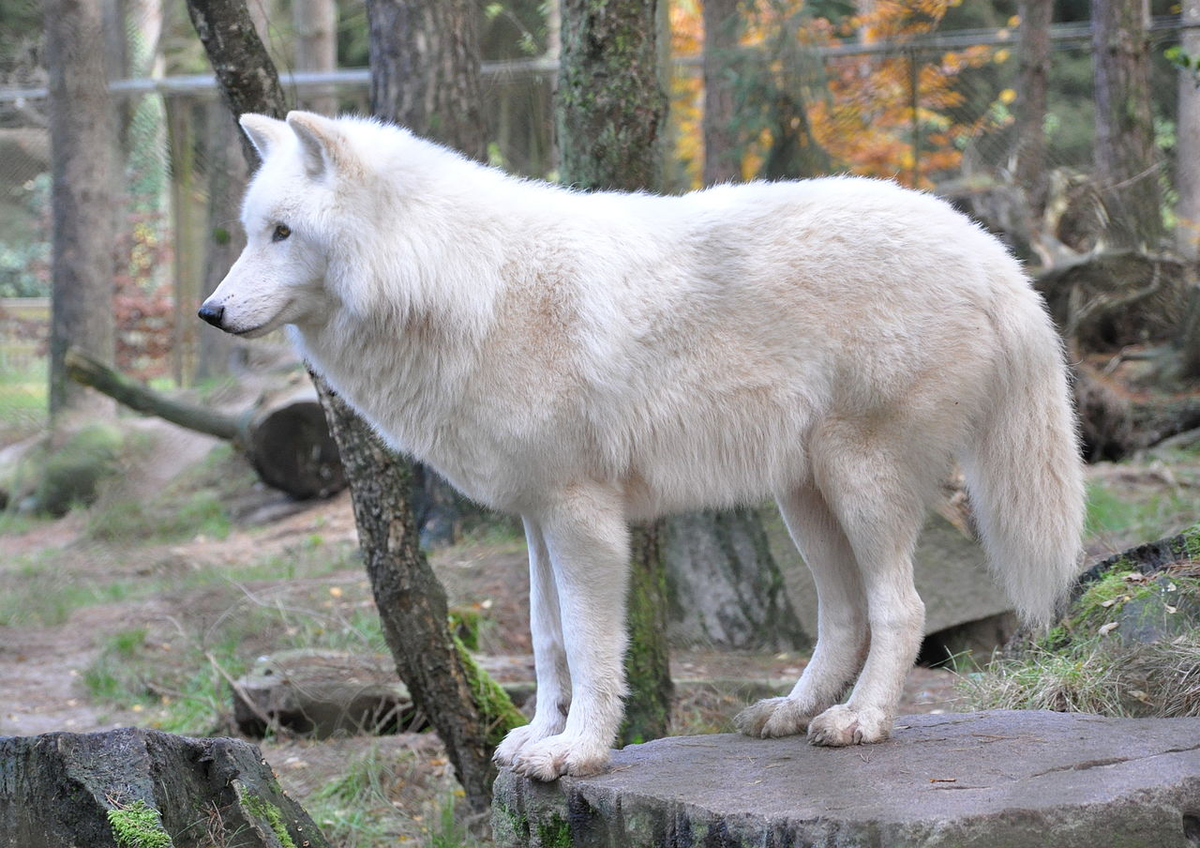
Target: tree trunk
611	107
245	73
425	70
1127	164
725	587
188	224
425	76
611	101
462	702
316	47
83	148
138	788
1187	157
721	24
224	239
1031	170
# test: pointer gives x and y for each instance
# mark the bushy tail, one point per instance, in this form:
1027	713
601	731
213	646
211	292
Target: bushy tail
1023	468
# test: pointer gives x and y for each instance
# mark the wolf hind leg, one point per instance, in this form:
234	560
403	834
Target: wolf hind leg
549	653
842	634
877	489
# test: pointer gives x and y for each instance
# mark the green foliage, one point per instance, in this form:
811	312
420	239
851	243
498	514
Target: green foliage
495	707
138	825
1085	665
356	805
35	595
162	520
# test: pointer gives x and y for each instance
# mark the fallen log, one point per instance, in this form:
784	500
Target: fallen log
285	436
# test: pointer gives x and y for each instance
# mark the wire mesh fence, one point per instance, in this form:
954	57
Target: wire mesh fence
935	110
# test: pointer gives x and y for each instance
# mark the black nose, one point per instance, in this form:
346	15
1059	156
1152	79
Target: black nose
212	313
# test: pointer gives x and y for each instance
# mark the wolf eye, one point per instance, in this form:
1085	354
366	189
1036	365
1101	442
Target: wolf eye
282	231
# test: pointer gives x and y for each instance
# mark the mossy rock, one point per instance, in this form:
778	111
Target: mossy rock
136	788
72	472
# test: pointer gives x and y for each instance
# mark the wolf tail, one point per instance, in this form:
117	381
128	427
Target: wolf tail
1023	468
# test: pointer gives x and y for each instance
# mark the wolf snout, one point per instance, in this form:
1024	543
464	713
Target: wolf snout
212	313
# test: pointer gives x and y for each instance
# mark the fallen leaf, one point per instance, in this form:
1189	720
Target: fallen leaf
1105	629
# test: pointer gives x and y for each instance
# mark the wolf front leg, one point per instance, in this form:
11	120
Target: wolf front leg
549	653
588	543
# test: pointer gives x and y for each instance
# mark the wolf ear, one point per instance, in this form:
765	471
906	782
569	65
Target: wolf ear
321	141
264	132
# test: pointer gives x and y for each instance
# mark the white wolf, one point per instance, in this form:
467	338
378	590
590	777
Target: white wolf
586	360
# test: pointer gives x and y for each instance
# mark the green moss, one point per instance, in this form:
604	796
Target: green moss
465	623
495	707
72	472
139	826
555	833
264	810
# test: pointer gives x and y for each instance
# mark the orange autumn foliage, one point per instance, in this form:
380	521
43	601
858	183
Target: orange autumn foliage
863	114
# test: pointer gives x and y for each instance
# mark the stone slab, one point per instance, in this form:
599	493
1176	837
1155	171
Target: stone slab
998	779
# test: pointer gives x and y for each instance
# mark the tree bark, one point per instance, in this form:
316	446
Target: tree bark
1031	169
245	73
725	588
224	239
1187	158
1127	164
466	710
316	47
611	102
610	109
83	144
425	70
721	24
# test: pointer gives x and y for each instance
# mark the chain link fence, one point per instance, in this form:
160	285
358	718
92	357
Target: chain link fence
935	111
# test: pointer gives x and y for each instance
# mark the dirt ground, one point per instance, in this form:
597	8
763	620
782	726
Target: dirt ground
40	666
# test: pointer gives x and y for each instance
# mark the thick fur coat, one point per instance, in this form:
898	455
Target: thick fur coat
584	360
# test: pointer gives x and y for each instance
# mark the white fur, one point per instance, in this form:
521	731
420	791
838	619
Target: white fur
584	360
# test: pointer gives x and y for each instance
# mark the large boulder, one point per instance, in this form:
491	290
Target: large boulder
133	788
978	780
964	607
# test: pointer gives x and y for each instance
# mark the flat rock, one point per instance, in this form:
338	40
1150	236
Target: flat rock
999	779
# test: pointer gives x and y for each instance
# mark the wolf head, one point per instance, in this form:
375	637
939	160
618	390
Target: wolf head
280	278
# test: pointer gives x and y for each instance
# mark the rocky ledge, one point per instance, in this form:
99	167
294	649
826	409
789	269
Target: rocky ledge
999	779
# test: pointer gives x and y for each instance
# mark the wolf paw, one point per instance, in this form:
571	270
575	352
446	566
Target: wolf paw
773	717
507	751
555	756
843	725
